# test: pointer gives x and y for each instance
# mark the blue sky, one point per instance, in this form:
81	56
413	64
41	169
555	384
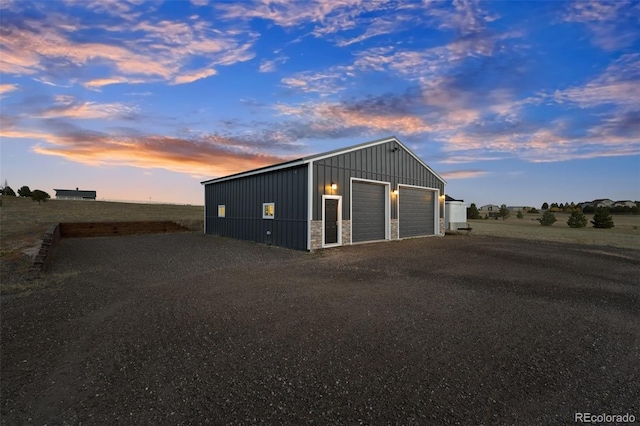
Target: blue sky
511	102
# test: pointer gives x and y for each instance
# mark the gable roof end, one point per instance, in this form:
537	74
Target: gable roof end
320	156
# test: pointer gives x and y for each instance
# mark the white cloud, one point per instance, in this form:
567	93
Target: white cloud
144	50
618	85
613	23
323	83
463	174
69	107
271	65
7	88
194	75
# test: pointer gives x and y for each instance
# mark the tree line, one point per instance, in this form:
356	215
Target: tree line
36	195
601	219
570	207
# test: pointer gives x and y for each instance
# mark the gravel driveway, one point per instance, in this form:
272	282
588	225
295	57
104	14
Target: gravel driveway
188	328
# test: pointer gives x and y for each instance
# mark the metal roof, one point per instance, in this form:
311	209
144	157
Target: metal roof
311	158
75	193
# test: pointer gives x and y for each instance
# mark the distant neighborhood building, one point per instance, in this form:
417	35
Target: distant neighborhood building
74	194
490	208
603	202
517	208
606	202
374	191
625	203
455	213
583	205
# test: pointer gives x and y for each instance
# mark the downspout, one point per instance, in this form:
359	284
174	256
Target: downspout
310	194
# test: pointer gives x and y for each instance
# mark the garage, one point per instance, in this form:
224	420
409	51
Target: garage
416	216
340	197
369	211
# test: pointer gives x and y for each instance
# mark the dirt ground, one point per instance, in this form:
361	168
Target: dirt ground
188	328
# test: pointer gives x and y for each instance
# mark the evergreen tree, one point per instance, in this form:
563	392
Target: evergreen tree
24	192
504	212
547	219
472	212
602	219
519	215
545	206
577	220
8	191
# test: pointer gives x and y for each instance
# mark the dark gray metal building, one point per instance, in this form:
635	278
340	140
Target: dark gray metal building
75	194
374	191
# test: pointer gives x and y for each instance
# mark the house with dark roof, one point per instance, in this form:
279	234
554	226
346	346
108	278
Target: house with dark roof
75	194
375	191
490	208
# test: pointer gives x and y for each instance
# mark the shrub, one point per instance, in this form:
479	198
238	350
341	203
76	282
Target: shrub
519	215
602	219
577	220
547	219
472	212
504	212
39	196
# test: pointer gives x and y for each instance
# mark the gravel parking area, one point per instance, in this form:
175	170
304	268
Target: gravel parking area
188	328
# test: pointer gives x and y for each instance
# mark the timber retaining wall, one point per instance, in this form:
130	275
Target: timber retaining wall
55	233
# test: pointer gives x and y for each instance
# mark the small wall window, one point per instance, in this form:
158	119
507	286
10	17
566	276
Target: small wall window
221	210
268	210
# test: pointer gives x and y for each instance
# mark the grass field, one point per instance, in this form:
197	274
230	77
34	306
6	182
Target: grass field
23	221
625	234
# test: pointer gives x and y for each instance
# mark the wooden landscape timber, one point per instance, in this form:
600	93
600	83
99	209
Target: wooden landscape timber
107	229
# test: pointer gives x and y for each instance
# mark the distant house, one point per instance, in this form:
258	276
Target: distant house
602	202
490	208
517	208
74	194
585	204
625	203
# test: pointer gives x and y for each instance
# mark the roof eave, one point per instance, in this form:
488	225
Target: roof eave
266	169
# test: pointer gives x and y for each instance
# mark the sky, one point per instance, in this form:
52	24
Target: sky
514	102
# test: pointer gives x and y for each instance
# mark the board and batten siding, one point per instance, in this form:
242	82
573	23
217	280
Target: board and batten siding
243	199
376	163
